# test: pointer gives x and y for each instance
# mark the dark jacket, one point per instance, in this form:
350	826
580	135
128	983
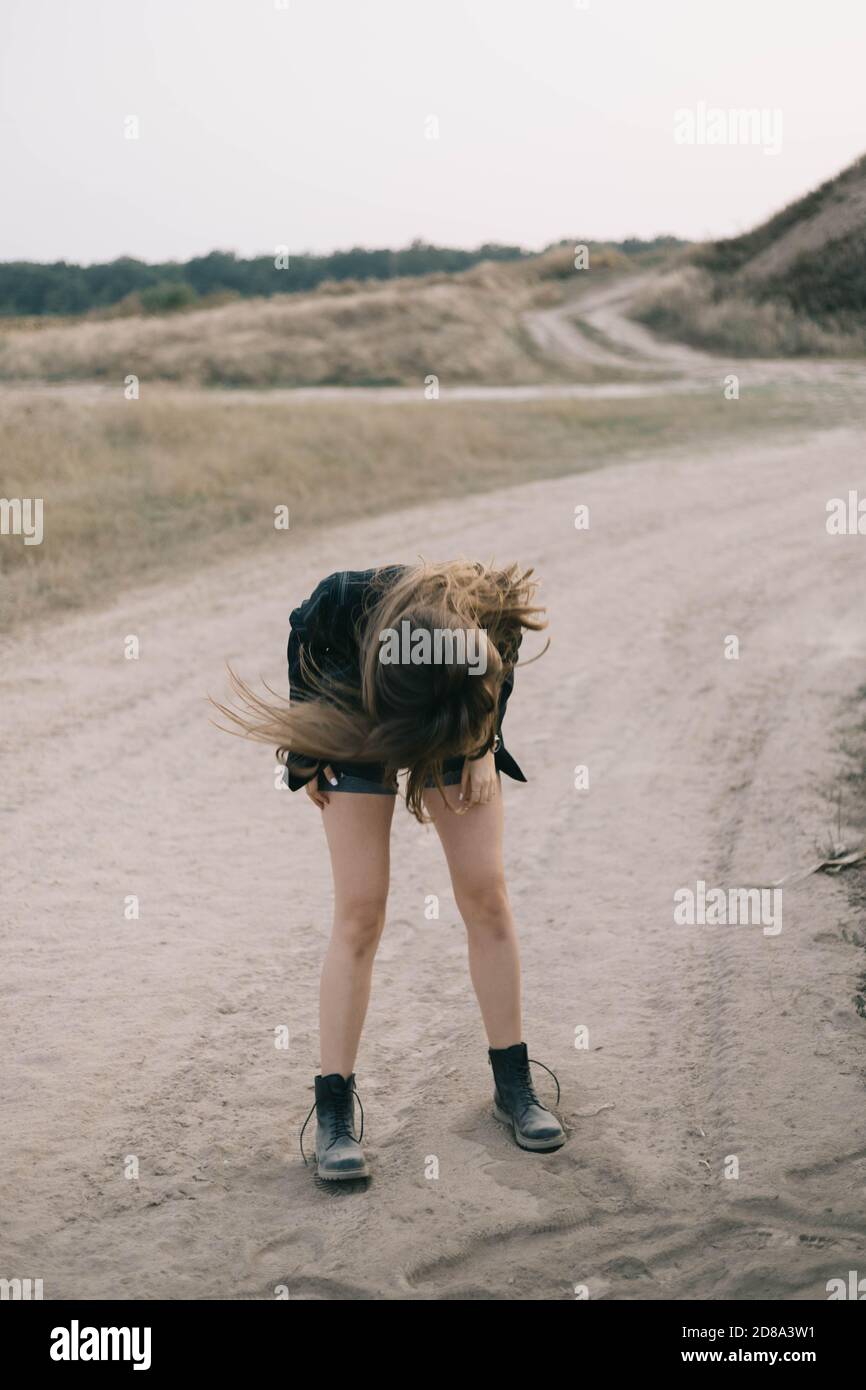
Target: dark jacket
325	624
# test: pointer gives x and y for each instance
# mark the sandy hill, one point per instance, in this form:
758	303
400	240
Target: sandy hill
794	285
466	327
811	253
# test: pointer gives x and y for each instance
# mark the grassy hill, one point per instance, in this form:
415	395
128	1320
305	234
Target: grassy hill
794	285
464	328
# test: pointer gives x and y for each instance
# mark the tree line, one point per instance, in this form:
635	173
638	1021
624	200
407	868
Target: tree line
28	287
133	286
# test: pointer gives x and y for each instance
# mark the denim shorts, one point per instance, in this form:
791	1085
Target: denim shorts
370	777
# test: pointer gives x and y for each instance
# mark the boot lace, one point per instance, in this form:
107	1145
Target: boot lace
524	1087
343	1119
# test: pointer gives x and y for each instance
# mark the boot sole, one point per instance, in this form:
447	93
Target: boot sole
343	1177
540	1146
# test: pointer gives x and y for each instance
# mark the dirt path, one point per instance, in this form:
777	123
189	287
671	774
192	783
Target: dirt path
595	328
592	329
154	1038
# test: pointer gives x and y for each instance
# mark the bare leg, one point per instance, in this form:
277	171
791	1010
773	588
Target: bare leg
358	827
473	849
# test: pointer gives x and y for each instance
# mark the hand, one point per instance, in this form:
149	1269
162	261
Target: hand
320	799
479	782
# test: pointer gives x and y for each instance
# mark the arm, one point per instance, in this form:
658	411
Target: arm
309	624
504	696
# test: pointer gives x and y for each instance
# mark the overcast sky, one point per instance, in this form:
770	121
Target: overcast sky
305	123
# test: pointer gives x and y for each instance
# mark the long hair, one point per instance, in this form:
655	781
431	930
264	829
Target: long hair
402	714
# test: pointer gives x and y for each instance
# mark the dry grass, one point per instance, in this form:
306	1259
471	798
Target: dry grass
684	305
135	491
462	328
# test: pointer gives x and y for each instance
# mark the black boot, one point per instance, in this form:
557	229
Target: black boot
338	1150
515	1102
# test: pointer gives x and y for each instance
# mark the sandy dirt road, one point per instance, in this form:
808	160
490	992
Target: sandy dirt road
155	1038
596	328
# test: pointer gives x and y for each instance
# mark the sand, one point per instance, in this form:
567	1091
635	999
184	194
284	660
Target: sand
154	1039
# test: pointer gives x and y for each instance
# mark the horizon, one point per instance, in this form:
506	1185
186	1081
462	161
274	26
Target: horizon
344	250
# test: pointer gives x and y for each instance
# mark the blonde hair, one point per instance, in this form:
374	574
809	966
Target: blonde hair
403	715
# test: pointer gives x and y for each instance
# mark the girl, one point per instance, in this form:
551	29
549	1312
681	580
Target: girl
407	667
